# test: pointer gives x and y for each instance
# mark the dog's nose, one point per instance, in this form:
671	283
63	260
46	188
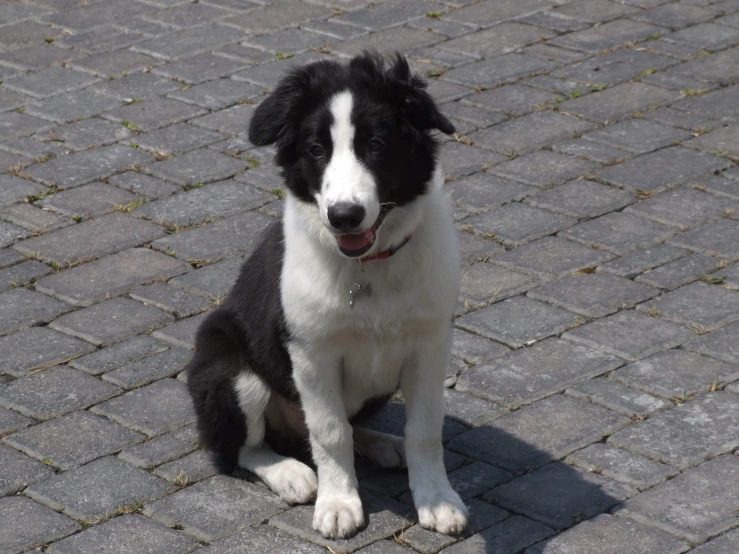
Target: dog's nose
345	216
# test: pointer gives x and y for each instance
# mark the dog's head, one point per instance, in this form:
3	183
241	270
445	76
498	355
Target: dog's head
353	140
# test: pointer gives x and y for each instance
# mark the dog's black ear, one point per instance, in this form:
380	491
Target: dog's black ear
419	108
271	119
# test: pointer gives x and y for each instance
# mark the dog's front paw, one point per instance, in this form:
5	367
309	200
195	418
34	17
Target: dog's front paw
338	516
442	511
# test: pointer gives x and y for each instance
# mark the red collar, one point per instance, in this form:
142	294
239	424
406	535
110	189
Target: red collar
386	253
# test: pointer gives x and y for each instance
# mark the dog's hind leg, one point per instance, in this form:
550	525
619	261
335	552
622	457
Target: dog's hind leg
291	479
382	449
230	402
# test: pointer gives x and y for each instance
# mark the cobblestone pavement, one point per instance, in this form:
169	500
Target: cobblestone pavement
593	401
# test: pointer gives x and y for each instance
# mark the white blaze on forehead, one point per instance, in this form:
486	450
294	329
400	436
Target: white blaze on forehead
346	179
342	130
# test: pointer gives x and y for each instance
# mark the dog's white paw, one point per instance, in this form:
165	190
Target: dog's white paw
338	516
441	510
294	482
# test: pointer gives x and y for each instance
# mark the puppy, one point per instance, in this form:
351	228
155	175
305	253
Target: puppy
345	301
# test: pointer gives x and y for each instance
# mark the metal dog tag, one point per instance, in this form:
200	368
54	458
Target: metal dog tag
362	287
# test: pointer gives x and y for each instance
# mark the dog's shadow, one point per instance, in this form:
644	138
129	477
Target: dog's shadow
517	494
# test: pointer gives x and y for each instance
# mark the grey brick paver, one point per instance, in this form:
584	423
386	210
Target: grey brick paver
720	545
695	505
177	138
484	283
15	514
154	409
200	166
193	467
10	233
17	471
12	421
34	219
630	335
262	539
662	169
719	104
552	256
21	308
618	232
481	191
533	373
144	185
595	151
194	206
529	132
136	374
88	200
616	102
154	113
384	515
110	276
235	235
680	272
119	354
582	198
613	68
621	465
717	238
179	302
517	223
98	489
638	135
13	189
507	537
593	295
182	332
594	167
688	434
49	82
518	441
162	449
111	321
124	534
608	534
557	494
683	207
74	439
89	165
37	348
199	68
215	508
518	321
54	392
617	397
544	169
72	106
675	372
698	304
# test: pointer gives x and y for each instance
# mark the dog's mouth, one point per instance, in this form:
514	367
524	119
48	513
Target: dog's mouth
358	244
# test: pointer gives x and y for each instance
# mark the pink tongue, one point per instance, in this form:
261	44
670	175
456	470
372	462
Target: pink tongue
356	242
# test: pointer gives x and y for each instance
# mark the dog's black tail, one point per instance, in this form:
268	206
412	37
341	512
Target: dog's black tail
211	374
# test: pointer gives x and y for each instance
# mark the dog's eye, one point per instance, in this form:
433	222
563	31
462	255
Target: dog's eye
376	145
316	151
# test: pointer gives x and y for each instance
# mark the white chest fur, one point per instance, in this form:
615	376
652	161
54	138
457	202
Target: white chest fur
413	292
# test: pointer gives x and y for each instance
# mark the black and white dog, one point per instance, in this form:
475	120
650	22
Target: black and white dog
345	301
